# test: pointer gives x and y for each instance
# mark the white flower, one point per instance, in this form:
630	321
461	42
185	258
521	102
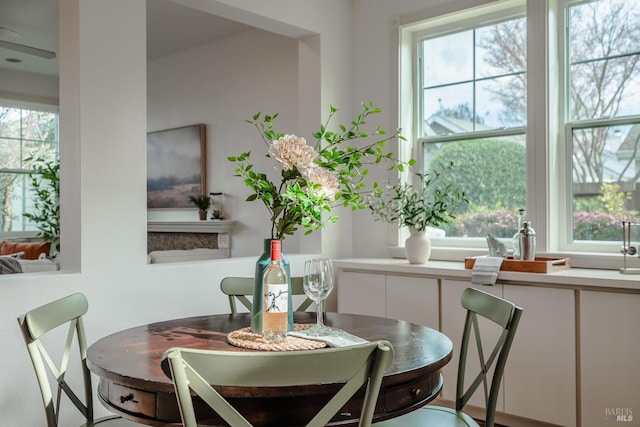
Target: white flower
291	151
319	175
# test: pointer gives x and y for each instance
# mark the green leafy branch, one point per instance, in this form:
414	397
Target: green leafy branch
432	204
45	183
295	202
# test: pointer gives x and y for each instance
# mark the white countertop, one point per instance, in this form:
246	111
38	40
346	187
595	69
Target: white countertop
591	279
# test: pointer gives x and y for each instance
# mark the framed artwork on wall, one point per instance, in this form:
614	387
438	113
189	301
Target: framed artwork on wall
176	166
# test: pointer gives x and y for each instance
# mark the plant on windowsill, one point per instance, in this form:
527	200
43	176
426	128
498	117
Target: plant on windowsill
432	204
45	183
202	202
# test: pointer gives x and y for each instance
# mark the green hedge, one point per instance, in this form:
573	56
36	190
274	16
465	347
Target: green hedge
598	226
492	173
502	223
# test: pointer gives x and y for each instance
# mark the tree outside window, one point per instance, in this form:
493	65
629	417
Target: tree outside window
603	115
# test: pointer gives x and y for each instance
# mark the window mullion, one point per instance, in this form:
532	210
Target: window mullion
474	135
540	120
474	83
593	123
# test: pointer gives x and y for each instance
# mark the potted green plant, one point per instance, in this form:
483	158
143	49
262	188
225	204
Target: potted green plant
202	202
431	204
45	183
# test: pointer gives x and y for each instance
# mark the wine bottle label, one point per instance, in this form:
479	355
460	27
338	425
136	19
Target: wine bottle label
275	316
276	298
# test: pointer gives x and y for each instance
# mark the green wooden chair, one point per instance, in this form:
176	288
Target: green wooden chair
200	370
506	315
241	288
37	323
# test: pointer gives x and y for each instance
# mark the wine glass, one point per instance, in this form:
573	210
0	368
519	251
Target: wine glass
318	283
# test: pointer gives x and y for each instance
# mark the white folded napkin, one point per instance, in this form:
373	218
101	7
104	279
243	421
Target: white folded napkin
485	270
337	338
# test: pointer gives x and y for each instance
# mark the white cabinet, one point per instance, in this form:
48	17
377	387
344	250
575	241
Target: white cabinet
361	293
414	299
574	361
609	350
540	377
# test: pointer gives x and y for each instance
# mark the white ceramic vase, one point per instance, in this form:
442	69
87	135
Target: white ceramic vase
417	247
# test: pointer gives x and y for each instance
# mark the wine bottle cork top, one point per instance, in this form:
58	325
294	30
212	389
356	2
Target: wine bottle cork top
276	248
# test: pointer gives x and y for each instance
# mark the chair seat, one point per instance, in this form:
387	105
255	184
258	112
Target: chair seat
111	421
431	416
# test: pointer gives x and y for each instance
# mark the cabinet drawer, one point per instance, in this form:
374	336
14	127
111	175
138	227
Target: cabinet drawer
132	400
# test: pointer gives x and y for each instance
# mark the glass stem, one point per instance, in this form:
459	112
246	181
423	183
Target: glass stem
319	316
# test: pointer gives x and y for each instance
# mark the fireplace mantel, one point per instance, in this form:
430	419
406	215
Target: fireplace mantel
209	226
194	230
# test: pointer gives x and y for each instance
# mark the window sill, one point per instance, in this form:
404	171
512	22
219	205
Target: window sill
601	261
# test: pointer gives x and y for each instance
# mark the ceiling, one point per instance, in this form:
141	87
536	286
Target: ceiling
170	29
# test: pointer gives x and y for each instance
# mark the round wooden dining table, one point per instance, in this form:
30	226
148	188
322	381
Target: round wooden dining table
132	383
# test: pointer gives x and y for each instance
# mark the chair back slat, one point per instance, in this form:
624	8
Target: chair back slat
496	309
240	289
49	316
506	315
200	370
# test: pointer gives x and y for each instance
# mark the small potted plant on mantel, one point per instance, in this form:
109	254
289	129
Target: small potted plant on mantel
432	204
202	202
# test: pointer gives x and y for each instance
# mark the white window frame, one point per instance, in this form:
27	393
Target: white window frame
565	242
27	104
548	156
449	18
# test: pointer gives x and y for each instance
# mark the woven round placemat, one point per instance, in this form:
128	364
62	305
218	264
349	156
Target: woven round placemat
246	339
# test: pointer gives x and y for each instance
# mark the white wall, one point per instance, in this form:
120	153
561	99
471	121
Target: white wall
103	110
28	87
215	85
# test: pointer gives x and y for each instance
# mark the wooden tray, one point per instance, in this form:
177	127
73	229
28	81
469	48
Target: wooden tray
540	265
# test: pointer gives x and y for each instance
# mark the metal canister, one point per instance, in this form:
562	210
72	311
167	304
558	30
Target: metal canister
527	242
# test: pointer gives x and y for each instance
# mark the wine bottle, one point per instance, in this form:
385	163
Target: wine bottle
275	287
258	294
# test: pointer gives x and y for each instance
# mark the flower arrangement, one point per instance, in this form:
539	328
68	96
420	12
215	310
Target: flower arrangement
314	178
432	204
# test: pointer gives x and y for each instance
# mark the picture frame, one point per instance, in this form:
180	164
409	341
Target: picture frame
176	166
